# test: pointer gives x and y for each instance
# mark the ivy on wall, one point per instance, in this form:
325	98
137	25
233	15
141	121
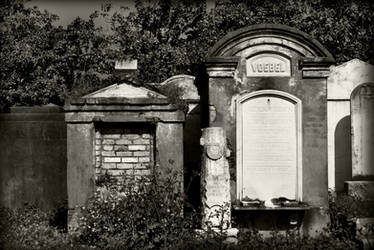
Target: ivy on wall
42	63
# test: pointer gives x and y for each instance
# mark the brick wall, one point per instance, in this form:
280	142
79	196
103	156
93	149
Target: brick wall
124	150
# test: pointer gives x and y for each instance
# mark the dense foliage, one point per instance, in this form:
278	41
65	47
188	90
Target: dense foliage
42	63
29	228
147	214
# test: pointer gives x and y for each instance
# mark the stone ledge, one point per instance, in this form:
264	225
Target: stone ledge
151	116
362	189
117	100
315	67
221	66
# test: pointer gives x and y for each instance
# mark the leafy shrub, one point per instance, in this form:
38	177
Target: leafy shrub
343	211
146	213
143	213
29	228
276	240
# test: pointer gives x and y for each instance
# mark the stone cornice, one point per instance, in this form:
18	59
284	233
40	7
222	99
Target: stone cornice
315	67
221	66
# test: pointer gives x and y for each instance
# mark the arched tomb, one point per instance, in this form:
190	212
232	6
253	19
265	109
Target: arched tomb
266	86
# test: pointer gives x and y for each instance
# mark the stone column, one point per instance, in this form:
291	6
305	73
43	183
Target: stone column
215	180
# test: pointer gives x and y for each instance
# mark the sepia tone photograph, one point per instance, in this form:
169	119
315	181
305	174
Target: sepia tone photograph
187	124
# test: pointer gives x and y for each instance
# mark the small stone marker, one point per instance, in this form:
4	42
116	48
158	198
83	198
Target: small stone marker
215	179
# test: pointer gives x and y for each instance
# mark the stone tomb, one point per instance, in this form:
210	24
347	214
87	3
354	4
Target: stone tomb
265	85
350	123
351	102
121	129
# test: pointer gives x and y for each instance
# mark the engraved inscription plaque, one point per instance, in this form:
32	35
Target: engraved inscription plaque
268	65
269	148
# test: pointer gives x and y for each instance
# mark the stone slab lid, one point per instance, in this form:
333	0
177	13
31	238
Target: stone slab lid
186	84
344	78
125	90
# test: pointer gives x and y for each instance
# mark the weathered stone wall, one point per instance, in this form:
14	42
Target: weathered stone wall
33	157
124	150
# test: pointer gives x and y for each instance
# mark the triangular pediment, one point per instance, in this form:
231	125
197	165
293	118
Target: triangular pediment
124	90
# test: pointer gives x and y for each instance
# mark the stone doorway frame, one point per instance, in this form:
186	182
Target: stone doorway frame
238	108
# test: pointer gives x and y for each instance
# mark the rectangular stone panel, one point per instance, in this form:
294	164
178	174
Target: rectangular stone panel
269	158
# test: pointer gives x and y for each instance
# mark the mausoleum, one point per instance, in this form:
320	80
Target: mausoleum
268	126
120	130
265	85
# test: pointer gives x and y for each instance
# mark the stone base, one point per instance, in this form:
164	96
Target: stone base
363	232
364	192
362	189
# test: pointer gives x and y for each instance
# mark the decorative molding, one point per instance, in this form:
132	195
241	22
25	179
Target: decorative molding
221	66
316	67
225	45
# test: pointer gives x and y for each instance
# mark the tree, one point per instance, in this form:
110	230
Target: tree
46	64
171	37
26	54
42	63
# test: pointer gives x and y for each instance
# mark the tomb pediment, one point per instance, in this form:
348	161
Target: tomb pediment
125	90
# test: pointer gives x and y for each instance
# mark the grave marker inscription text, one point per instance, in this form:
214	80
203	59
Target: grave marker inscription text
269	148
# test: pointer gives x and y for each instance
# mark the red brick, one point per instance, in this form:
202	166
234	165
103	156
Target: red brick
108	147
108	153
125	166
112	136
141	153
144	159
126	153
131	136
115	172
123	142
120	148
142	141
146	136
137	147
112	159
130	159
108	141
108	165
